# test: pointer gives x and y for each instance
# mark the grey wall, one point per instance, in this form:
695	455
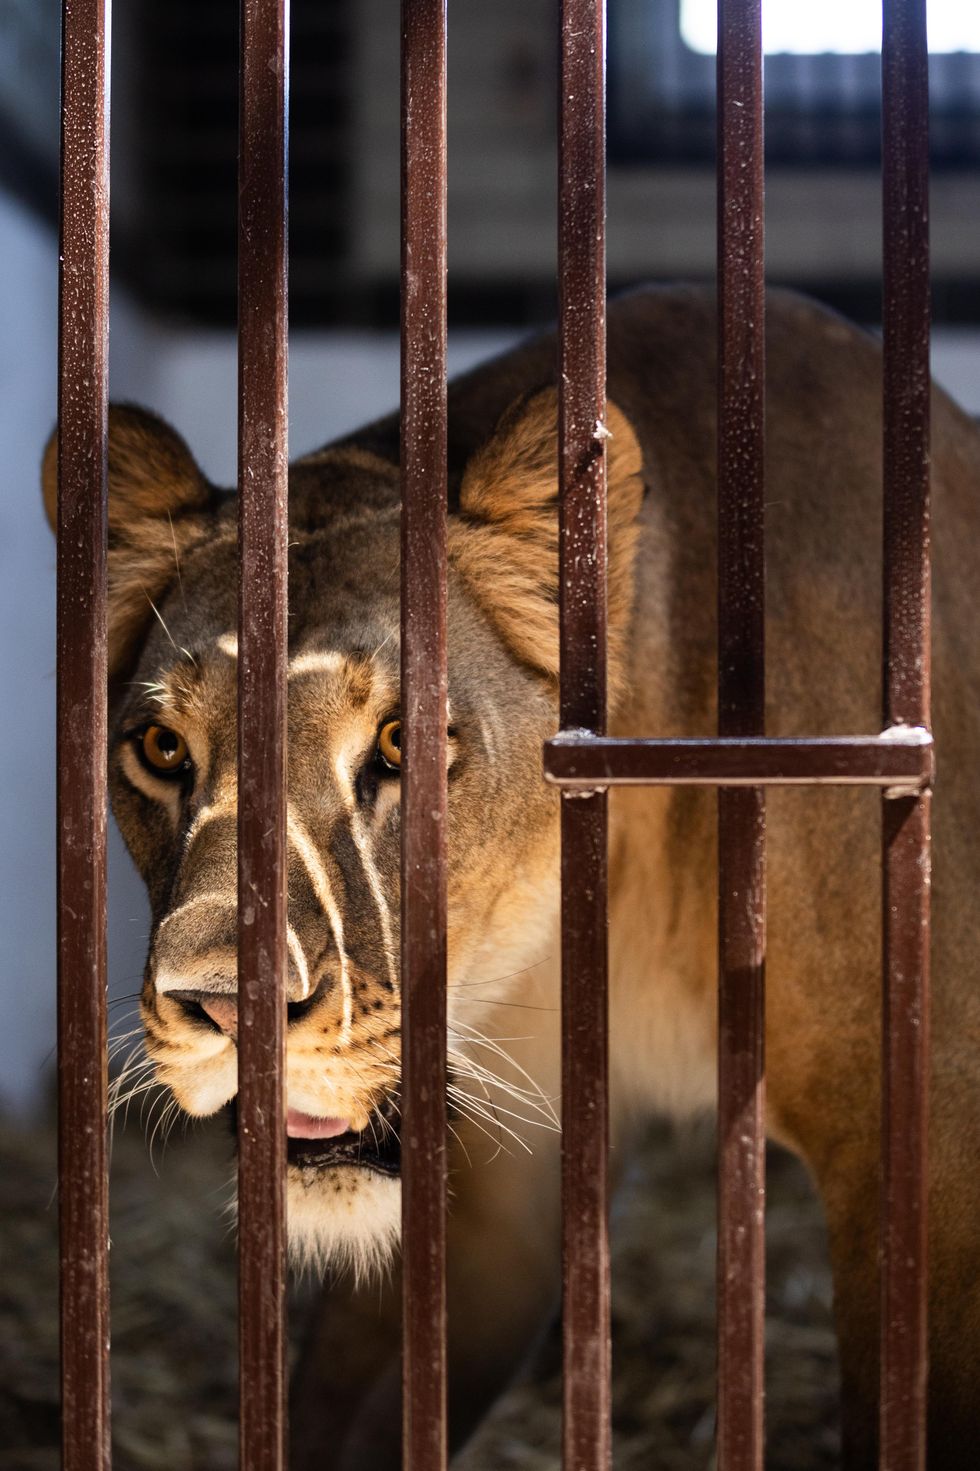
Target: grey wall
336	382
821	224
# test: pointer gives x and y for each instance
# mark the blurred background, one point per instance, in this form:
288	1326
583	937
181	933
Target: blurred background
174	125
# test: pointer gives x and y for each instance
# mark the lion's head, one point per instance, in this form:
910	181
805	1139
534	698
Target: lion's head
173	663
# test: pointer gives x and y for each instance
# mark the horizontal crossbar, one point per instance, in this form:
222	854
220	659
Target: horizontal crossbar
901	760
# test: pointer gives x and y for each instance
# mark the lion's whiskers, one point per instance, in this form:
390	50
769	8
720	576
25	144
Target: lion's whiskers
493	1043
163	1126
464	1068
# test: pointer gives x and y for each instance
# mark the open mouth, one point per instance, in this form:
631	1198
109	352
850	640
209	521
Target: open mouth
315	1144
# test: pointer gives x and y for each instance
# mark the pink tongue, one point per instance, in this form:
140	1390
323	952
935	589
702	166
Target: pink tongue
306	1126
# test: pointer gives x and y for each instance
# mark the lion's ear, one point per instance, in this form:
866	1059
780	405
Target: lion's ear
505	541
158	501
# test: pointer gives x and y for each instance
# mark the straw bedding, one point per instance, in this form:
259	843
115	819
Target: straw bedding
174	1304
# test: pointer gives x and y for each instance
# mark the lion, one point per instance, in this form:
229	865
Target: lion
172	760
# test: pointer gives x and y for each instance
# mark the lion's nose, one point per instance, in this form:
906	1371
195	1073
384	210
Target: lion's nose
196	950
222	1006
223	1011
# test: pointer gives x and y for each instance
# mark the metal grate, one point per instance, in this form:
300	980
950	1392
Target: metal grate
584	820
423	709
263	475
582	760
83	345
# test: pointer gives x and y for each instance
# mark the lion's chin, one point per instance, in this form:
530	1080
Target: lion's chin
343	1219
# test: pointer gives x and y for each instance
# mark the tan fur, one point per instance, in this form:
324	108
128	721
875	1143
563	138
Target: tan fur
506	543
823	960
154	489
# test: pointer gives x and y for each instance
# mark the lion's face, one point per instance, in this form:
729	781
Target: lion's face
173	780
343	1035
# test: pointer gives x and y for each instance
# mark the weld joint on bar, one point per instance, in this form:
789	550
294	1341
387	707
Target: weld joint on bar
909	735
572	737
580	737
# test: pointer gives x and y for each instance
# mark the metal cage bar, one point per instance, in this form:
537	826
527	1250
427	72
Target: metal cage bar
901	762
83	341
584	819
906	682
741	712
423	713
262	639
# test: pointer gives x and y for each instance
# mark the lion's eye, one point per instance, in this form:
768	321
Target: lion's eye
163	751
390	744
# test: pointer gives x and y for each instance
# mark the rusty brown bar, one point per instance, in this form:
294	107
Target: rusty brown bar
582	581
423	711
262	948
741	712
904	762
83	339
905	824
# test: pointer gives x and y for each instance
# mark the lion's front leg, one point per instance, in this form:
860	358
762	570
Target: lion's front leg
846	1162
504	1272
502	1287
345	1387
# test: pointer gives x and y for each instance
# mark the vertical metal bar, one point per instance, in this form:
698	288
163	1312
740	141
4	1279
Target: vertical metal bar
582	583
741	712
905	826
262	953
83	341
423	682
